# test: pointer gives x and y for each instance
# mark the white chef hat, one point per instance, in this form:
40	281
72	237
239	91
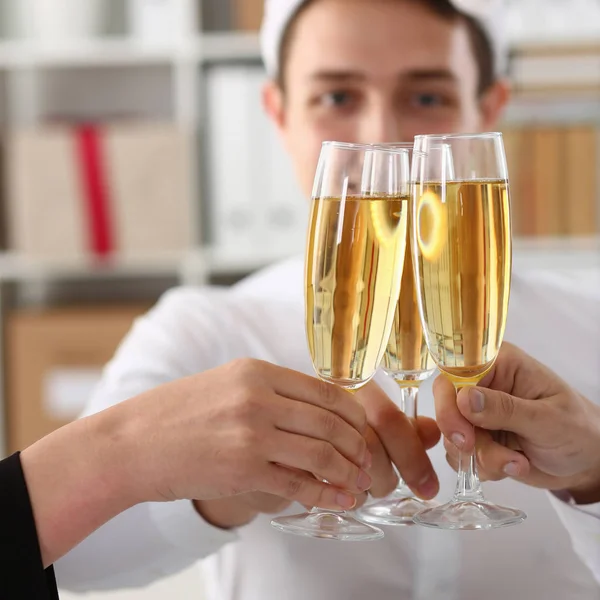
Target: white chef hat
278	13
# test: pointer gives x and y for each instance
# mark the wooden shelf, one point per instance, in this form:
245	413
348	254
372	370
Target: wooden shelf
544	253
109	52
209	47
556	47
18	268
220	47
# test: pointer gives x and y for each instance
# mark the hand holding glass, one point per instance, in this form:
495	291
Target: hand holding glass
408	362
354	260
462	246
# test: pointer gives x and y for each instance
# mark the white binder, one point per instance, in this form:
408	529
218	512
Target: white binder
255	206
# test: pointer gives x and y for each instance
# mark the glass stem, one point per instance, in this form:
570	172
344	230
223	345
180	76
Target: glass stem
409	395
325	511
468	486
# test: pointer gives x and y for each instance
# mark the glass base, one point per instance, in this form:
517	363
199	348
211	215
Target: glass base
398	509
470	515
329	526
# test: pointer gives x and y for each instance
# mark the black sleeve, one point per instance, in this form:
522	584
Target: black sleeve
22	574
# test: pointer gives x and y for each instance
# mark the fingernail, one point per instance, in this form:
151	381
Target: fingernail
458	439
367	461
364	481
512	469
477	401
345	501
428	487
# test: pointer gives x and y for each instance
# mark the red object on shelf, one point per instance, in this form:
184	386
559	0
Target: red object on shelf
90	192
96	190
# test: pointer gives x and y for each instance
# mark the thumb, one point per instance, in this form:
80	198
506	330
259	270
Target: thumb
495	410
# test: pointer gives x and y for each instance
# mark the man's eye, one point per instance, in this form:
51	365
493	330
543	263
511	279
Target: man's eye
428	100
336	98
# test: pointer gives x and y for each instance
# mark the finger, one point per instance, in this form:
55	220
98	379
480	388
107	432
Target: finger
311	390
517	373
305	489
266	503
497	410
428	431
453	425
453	461
531	477
315	422
403	445
318	457
383	475
495	462
361	499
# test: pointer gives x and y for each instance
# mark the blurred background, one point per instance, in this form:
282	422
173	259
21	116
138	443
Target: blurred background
135	156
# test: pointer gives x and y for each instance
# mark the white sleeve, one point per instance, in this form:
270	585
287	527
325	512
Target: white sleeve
184	334
583	524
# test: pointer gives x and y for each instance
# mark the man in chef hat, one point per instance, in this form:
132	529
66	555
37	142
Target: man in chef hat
336	75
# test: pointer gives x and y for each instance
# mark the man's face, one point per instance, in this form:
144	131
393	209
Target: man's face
375	71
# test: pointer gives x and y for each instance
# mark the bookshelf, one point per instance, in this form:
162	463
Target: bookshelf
168	80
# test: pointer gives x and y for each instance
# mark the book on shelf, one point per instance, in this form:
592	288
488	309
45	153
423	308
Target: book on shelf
548	177
98	192
554	180
215	15
231	15
247	14
555	68
582	177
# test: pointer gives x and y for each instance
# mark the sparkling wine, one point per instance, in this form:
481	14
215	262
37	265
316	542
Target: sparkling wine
353	270
464	242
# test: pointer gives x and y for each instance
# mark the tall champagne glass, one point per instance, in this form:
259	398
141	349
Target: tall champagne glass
354	260
463	252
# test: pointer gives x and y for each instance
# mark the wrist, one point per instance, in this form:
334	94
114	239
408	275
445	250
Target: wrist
90	491
586	494
115	456
587	491
225	513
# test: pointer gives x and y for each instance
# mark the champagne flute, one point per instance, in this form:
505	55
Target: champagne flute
408	362
461	242
355	254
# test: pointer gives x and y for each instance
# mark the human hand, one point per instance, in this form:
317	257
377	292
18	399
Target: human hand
245	427
553	435
393	438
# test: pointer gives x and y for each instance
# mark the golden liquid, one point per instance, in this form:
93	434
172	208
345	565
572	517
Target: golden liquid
354	265
464	267
406	357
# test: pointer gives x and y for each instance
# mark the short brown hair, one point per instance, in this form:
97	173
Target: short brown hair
480	42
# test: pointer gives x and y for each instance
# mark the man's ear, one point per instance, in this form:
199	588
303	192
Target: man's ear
493	103
273	103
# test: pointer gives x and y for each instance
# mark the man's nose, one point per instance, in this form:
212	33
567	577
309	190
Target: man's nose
382	125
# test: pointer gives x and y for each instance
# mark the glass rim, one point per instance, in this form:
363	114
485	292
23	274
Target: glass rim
407	145
403	146
361	146
438	181
455	136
